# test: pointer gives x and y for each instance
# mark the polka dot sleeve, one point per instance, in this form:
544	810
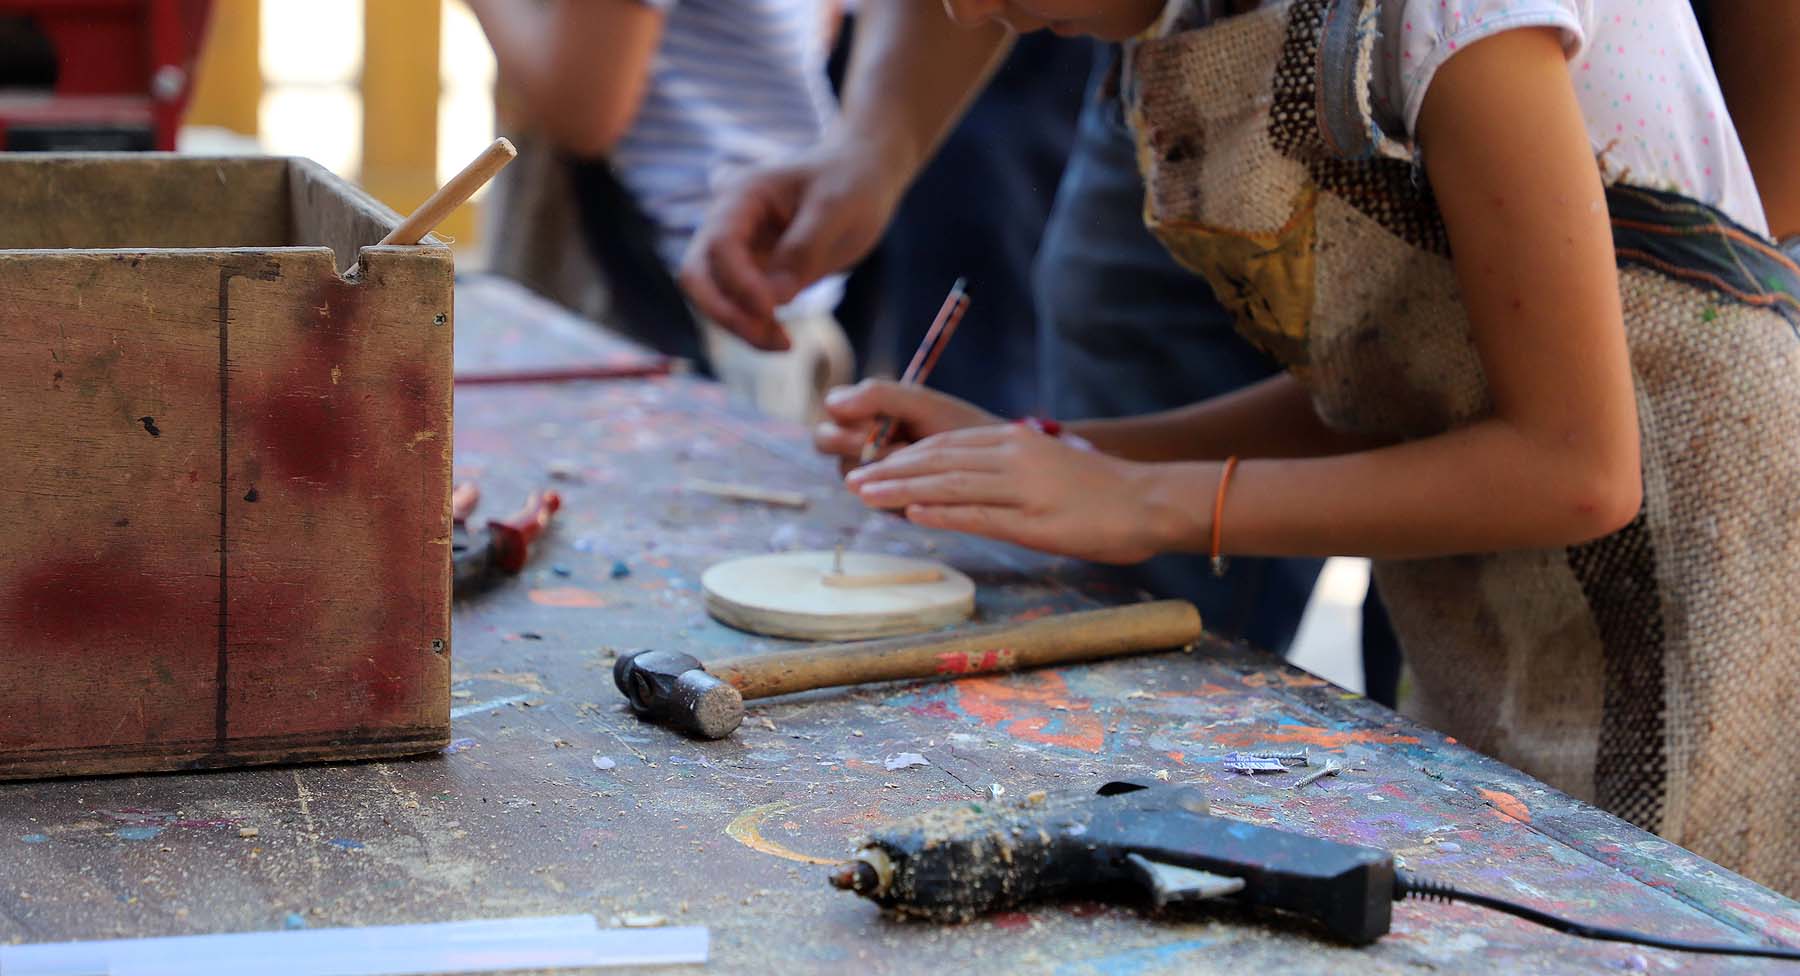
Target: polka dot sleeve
1640	73
1418	36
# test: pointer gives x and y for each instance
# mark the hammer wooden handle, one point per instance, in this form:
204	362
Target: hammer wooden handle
1087	636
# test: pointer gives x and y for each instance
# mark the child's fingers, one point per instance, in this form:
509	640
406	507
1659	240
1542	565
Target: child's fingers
918	410
840	440
985	437
943	488
867	400
994	522
925	458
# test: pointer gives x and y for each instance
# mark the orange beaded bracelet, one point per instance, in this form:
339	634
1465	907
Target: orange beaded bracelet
1218	560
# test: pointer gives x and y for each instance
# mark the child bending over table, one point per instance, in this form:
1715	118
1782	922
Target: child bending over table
1542	367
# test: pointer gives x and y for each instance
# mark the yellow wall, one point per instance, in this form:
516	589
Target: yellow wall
228	80
399	91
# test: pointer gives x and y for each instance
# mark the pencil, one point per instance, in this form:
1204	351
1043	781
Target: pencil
924	359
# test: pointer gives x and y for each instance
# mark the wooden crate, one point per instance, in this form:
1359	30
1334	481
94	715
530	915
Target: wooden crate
225	507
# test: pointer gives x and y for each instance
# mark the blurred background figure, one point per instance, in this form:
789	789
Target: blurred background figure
654	103
1755	49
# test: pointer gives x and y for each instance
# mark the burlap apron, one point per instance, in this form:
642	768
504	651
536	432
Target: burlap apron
1652	672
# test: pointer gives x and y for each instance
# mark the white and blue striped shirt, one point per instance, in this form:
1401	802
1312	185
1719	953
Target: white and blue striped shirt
734	84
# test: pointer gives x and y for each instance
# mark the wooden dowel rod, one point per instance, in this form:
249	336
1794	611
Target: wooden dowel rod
852	581
1057	639
451	195
746	493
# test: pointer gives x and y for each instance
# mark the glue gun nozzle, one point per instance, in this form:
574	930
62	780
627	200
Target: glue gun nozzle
857	876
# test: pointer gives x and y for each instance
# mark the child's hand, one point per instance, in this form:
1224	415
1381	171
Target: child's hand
1018	485
853	411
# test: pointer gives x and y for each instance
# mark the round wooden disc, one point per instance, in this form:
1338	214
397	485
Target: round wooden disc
784	595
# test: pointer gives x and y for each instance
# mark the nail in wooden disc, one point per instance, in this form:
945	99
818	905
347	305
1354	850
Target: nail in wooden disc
785	595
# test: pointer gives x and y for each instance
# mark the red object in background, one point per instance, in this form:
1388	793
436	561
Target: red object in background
108	74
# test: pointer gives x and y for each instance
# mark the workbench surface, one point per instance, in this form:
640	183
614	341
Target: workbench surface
554	800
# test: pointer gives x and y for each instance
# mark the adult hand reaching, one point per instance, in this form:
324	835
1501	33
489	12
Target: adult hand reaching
782	228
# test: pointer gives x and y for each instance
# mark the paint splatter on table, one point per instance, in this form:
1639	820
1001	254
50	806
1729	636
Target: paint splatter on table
552	799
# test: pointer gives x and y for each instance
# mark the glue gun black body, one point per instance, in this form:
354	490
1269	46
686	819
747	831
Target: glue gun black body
955	863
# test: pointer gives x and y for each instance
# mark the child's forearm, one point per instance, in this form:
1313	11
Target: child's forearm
911	74
1558	460
1270	419
1482	488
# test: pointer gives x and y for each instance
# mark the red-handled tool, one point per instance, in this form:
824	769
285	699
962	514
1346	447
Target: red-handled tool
463	499
512	538
476	565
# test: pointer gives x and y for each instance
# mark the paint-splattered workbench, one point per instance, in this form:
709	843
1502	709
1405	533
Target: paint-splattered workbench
554	800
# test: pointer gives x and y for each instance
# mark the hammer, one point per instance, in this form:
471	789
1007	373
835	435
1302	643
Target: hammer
708	702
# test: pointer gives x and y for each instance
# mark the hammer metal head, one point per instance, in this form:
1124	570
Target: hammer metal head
674	688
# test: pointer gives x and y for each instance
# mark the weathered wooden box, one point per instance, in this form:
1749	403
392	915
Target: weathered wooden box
224	499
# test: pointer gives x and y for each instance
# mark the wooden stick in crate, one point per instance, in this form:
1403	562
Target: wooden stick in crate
451	195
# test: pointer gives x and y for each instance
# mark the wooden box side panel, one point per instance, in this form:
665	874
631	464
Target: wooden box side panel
142	200
108	578
339	458
228	536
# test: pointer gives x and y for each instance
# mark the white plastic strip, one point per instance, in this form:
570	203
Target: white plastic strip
490	945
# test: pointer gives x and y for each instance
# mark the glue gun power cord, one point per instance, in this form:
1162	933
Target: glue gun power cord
1412	886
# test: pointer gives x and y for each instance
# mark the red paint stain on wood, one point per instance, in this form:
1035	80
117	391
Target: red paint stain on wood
270	612
1506	805
68	601
975	662
334	318
1307	734
317	425
309	424
310	434
388	687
